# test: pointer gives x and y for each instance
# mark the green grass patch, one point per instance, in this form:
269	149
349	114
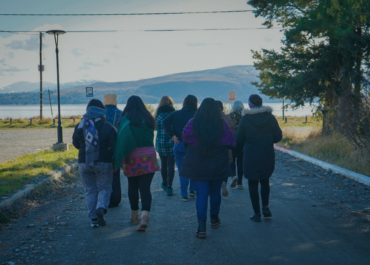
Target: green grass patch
16	173
46	123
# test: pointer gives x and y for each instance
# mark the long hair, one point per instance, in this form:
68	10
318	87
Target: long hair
165	100
191	101
208	127
237	106
137	112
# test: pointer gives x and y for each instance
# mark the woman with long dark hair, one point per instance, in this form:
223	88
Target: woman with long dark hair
136	155
257	133
208	138
164	144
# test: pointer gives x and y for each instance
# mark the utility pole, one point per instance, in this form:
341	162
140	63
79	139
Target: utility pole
41	68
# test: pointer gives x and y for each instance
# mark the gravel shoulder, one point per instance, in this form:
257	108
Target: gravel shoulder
318	218
14	143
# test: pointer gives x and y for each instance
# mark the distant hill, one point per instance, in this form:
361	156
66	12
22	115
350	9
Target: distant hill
214	83
24	86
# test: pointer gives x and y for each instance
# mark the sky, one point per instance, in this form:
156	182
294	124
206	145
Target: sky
128	55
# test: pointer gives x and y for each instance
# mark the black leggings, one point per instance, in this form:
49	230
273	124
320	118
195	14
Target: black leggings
253	192
238	167
167	170
141	183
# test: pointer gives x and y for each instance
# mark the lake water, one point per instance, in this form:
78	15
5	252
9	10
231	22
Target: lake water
27	111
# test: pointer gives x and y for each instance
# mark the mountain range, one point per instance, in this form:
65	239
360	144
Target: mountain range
214	83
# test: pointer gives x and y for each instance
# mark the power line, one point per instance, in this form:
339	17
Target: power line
135	14
137	30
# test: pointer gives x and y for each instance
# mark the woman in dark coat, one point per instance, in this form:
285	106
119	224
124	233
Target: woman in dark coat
208	139
257	133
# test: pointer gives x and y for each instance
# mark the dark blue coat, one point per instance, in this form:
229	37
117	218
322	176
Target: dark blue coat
176	121
257	132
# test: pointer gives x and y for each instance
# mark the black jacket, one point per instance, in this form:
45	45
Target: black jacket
198	167
107	141
176	121
258	131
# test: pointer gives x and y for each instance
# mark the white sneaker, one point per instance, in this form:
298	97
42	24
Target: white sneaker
234	181
225	192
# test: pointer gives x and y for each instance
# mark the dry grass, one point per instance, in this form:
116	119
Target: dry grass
46	123
299	121
336	150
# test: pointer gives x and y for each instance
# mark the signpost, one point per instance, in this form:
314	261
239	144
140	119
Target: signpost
232	95
89	92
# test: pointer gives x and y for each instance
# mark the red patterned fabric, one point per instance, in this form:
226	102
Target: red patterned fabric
137	166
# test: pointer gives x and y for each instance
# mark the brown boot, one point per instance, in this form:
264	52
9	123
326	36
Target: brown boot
135	217
143	221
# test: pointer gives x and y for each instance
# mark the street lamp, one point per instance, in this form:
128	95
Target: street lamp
59	145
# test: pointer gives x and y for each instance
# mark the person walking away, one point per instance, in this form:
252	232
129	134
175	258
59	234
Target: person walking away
95	140
174	125
231	124
136	155
164	144
208	139
113	114
236	114
257	133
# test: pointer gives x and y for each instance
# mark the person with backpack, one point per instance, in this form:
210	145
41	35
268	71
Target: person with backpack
236	114
208	139
258	131
112	115
95	139
173	125
136	155
164	144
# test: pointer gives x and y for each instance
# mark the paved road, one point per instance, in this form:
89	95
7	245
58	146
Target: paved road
316	220
14	143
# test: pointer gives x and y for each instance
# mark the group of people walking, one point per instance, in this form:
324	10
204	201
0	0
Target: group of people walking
207	146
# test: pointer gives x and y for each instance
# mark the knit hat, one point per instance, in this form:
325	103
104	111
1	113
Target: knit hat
110	99
95	103
254	101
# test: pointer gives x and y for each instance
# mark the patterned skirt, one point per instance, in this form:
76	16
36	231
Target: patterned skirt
140	166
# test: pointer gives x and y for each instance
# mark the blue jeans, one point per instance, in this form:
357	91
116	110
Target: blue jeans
179	150
205	189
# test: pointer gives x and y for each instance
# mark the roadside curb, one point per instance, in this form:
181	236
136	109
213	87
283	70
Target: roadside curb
54	175
338	170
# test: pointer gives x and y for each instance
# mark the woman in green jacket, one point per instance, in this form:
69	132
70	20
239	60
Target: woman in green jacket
136	155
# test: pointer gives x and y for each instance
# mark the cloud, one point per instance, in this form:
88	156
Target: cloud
200	44
2	61
116	46
92	64
268	38
10	55
86	65
77	52
10	71
106	61
31	44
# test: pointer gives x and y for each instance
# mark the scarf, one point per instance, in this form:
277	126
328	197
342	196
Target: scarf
91	134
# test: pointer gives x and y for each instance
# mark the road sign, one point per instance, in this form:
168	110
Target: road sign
89	92
232	95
